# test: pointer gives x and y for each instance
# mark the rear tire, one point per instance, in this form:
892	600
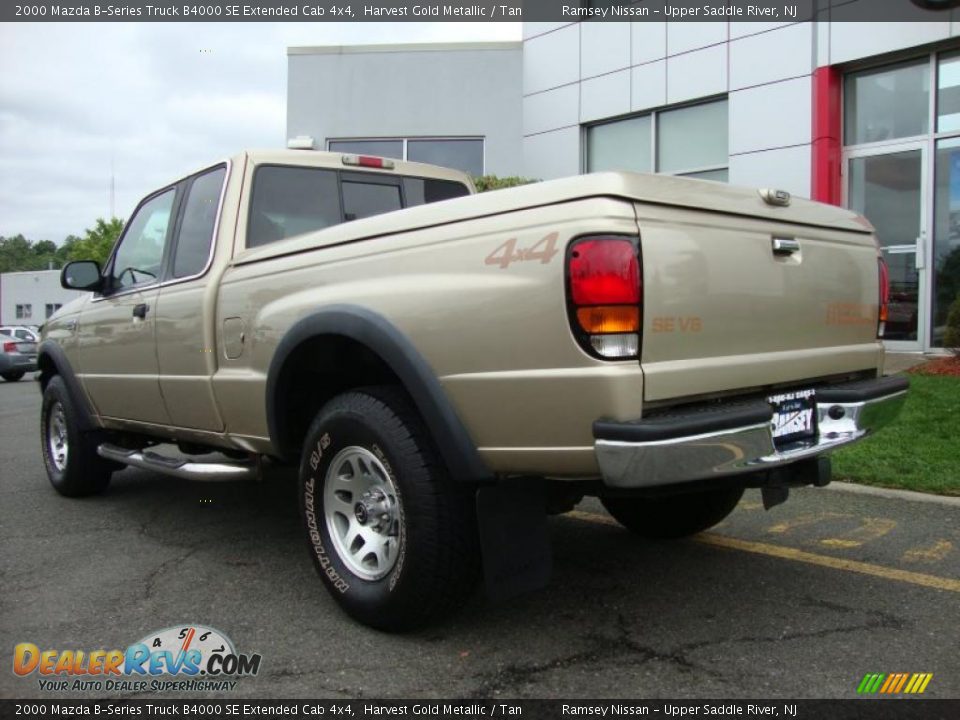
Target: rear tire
392	536
70	454
12	376
673	516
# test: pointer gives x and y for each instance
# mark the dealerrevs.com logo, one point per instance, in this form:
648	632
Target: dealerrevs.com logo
179	658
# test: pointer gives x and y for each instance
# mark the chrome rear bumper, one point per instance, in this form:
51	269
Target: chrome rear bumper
738	438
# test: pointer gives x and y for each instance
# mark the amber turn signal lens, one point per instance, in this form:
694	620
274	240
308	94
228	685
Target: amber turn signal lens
609	319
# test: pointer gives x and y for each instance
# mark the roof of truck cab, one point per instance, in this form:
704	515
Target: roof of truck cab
687	193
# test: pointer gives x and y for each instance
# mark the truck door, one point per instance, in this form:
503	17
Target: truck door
186	307
116	342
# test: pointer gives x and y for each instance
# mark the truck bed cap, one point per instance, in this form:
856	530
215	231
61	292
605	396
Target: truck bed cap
698	195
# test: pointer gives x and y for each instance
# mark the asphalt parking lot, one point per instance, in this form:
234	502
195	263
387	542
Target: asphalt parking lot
798	602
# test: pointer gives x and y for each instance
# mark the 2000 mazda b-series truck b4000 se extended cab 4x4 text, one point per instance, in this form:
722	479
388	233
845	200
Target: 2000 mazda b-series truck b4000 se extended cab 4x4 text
447	368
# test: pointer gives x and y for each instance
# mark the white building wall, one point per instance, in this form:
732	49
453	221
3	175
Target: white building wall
435	90
580	73
34	288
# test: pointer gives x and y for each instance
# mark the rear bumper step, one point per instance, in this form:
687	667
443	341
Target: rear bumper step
738	438
178	467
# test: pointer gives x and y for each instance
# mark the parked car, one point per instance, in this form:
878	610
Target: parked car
21	332
17	357
444	375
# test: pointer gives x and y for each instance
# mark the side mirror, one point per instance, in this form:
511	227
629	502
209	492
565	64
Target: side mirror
81	275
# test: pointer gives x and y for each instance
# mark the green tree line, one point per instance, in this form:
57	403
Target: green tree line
18	253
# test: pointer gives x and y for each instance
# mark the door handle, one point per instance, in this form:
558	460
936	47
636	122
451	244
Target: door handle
785	246
140	311
920	260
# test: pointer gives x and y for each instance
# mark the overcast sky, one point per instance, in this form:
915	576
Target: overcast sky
161	99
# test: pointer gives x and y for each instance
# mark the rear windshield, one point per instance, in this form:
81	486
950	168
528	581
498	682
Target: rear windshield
288	201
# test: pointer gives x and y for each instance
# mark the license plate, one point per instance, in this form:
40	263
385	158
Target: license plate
793	415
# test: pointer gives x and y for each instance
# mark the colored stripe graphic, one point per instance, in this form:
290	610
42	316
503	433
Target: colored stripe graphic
870	683
903	679
894	683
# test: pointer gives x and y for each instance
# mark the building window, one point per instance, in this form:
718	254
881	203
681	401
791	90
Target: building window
464	154
948	93
51	308
690	141
887	103
624	145
24	312
902	165
380	148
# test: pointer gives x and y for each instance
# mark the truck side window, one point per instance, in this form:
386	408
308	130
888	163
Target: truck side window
196	228
139	256
419	191
290	201
363	199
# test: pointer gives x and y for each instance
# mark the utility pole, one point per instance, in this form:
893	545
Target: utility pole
112	188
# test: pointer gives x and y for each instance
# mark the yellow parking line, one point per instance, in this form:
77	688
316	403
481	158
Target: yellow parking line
789	553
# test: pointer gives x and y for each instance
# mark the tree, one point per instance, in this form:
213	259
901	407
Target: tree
951	338
16	253
96	243
45	256
19	254
484	183
44	248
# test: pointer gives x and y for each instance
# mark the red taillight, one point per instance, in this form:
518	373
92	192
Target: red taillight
10	347
604	271
884	297
605	295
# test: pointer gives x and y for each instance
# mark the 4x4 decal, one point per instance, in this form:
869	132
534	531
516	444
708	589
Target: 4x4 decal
543	250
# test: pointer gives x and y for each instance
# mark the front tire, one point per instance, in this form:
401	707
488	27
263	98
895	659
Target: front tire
673	516
13	375
392	536
69	454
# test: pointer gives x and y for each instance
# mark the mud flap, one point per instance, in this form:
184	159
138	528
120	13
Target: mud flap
514	542
813	471
774	495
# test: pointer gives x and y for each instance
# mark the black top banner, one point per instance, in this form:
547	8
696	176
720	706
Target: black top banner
481	10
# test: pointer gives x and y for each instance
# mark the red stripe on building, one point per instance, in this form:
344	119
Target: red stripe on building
825	178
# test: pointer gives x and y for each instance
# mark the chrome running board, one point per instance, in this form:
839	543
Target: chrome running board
179	467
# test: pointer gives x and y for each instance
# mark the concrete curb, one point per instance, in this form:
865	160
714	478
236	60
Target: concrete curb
891	494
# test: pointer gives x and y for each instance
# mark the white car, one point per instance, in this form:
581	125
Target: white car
21	332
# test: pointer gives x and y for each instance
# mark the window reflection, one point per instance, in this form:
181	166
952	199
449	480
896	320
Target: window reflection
946	237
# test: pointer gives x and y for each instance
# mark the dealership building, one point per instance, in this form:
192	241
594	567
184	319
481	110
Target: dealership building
30	297
865	115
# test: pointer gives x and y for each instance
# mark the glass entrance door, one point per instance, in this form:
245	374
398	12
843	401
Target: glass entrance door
887	186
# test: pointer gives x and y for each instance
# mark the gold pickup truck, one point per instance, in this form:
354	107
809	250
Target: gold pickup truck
447	368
